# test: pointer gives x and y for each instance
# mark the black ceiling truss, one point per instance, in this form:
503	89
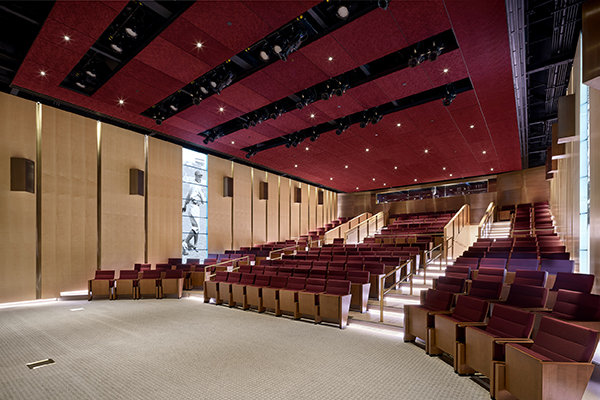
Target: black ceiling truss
373	115
411	56
20	23
552	29
314	24
130	32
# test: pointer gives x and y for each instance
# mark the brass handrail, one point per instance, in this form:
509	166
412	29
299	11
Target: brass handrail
383	292
206	267
483	227
295	247
430	260
346	225
376	218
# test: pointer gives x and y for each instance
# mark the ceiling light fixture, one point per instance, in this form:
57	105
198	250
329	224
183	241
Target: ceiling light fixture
491	169
484	152
395	167
415	179
221	109
450	95
67	38
434	53
265	52
117	47
450	174
131	31
426	151
346	166
43	73
398	124
221	79
121	102
330	58
284	47
252	152
472	126
446	70
342	12
366	149
312	115
444	168
232	142
198	45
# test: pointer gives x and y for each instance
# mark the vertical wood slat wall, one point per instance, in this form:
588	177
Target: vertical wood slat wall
71	205
251	221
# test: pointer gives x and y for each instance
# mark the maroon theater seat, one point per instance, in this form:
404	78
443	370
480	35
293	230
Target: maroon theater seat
150	283
528	298
557	365
270	294
484	346
163	267
172	283
254	292
127	284
555	266
530	278
142	267
238	290
334	304
308	299
360	287
211	287
458	271
288	297
491	274
486	290
493	262
102	284
418	318
271	270
450	329
451	285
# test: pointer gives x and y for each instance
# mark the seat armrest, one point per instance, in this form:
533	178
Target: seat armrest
513	340
465	324
442	312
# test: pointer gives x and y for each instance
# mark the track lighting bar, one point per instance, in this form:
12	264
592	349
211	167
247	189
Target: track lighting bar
363	118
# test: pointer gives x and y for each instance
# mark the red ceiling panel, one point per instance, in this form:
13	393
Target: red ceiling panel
243	98
276	13
262	84
322	50
116	5
420	19
230	22
297	73
136	69
368	95
88	17
371	36
172	60
186	36
167	57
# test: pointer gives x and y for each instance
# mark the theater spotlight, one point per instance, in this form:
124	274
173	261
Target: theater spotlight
341	128
383	4
435	52
276	113
342	12
221	80
265	52
174	105
365	120
450	95
284	47
251	152
314	136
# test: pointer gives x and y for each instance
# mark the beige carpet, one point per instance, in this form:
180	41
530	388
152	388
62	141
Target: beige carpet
185	349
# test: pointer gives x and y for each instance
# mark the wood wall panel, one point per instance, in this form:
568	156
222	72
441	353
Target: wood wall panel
122	222
273	209
294	212
17	209
219	207
69	201
284	220
165	194
319	213
312	208
242	208
595	186
259	212
304	209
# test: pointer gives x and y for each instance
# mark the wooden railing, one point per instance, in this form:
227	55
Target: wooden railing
340	230
485	225
456	237
366	228
428	259
278	254
408	277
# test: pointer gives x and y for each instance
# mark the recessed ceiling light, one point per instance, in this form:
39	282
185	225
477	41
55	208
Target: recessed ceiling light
307	148
491	169
444	168
426	151
446	70
366	149
312	115
330	179
296	166
373	178
346	166
395	167
384	184
357	188
221	109
415	179
398	124
198	45
450	174
232	142
67	38
121	101
330	58
43	73
484	152
472	126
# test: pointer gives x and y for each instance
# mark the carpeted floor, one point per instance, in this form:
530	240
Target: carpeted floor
185	349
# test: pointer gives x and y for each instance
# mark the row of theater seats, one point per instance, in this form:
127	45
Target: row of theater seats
531	247
314	298
136	284
548	328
